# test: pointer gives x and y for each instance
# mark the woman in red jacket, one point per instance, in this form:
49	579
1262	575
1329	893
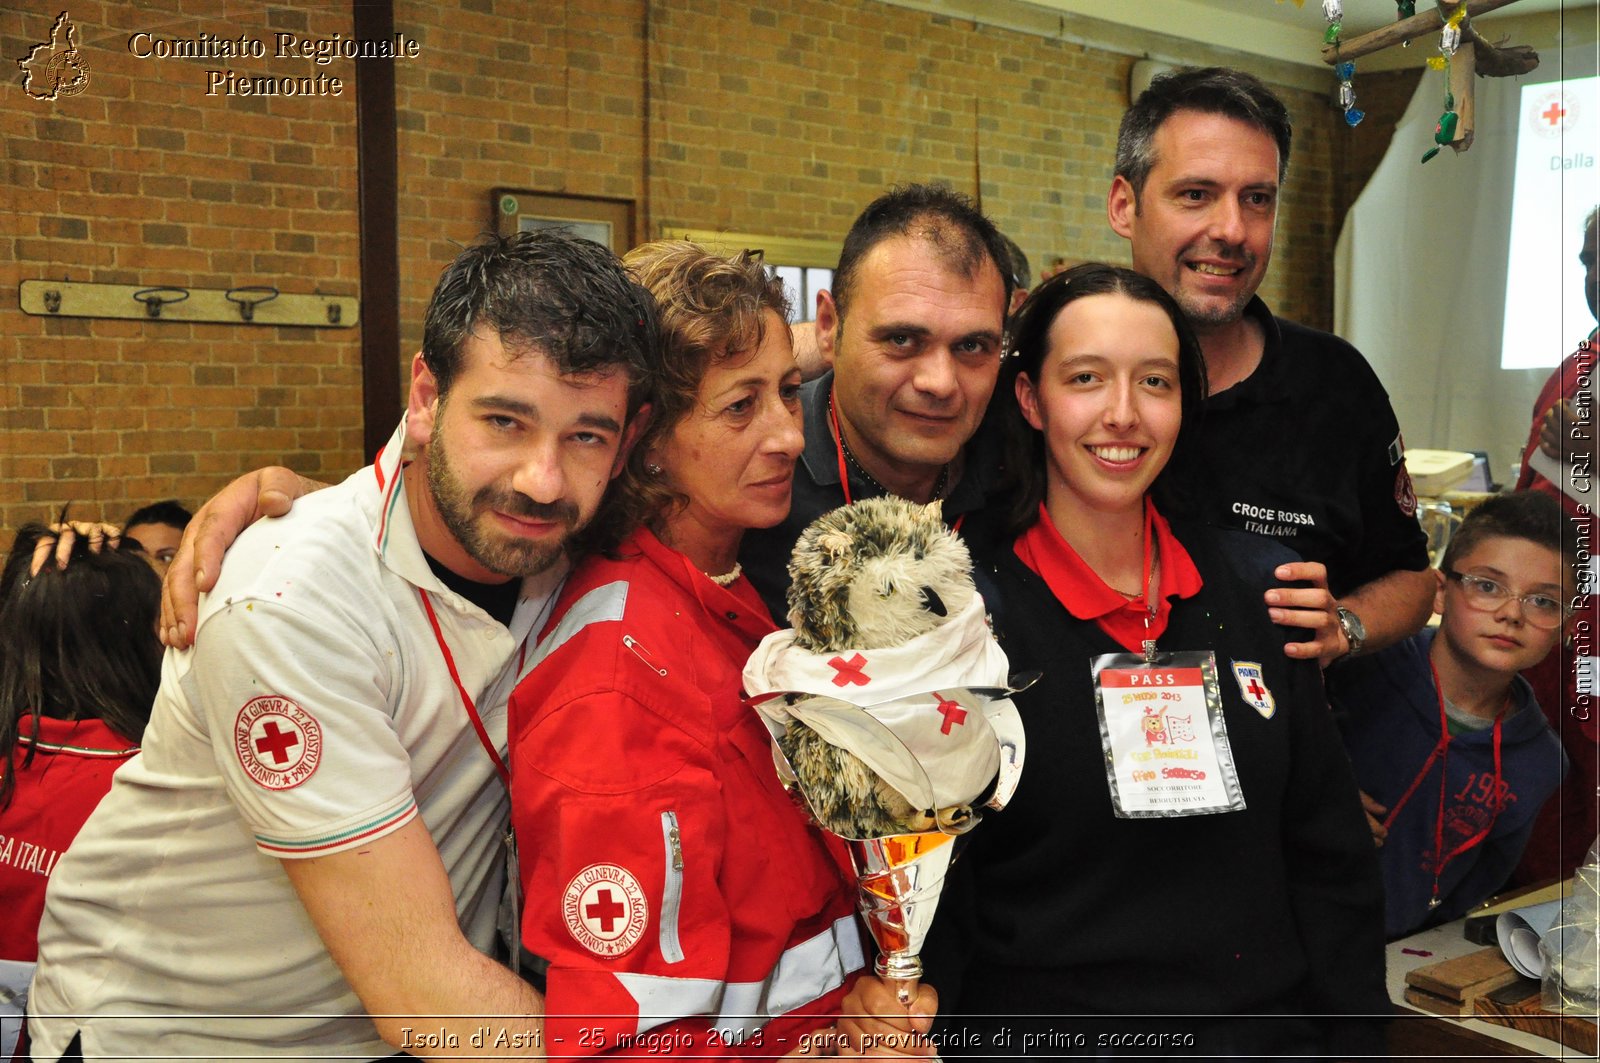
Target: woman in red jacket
680	901
78	671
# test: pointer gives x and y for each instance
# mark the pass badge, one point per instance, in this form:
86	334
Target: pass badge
1165	738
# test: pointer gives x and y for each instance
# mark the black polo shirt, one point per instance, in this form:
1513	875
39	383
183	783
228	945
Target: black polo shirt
1306	450
765	551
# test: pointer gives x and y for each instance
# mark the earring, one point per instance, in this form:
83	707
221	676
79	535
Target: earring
652	468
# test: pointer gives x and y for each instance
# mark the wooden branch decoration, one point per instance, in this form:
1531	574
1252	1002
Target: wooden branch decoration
1473	55
1405	30
1462	65
1502	60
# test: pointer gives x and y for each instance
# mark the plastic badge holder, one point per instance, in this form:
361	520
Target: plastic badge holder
1571	948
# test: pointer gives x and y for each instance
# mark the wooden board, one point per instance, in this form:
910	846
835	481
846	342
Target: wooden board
1434	1004
1574	1031
1464	977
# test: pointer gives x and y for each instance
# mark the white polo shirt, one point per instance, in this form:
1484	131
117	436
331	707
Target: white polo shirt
314	714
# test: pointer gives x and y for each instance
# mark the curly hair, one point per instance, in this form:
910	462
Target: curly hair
712	309
549	291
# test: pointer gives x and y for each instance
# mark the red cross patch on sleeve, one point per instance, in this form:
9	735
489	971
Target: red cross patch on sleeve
279	744
605	909
1405	496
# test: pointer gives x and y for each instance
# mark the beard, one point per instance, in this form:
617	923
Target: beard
1206	313
460	509
1210	315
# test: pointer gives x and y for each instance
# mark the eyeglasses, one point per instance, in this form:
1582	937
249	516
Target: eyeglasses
1486	595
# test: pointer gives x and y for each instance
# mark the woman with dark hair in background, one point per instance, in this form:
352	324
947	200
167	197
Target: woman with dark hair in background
79	667
1187	839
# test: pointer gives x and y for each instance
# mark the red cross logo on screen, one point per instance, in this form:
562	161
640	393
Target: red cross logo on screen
1551	113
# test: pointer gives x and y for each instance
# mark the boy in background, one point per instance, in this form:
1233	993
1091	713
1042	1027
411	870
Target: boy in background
1452	752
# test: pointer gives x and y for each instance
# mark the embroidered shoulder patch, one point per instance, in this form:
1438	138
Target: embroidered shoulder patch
1253	688
279	744
605	909
1405	496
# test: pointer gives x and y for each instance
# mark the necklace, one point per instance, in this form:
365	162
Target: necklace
1153	570
848	456
727	577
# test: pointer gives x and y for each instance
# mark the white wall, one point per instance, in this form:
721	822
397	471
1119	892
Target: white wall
1421	267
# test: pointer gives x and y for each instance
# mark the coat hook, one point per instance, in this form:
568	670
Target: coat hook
155	298
247	306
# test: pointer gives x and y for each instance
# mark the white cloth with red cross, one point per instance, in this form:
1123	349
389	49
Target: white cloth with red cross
929	716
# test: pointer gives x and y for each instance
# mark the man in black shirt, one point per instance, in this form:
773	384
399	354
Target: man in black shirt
911	333
1299	441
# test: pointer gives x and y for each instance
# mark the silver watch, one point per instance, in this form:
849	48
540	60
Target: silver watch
1355	632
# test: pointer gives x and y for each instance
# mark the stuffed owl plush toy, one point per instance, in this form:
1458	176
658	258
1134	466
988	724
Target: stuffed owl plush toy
887	697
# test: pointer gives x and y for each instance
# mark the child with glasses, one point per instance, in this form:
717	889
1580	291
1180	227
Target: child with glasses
1451	750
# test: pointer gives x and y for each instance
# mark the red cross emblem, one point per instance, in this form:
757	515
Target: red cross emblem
276	743
1249	675
1553	112
952	711
606	910
850	672
279	744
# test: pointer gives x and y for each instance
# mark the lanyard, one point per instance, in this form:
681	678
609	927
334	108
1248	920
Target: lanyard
1148	645
1441	752
466	699
844	469
838	449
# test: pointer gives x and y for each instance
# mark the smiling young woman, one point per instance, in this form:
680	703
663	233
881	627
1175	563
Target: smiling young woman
1188	839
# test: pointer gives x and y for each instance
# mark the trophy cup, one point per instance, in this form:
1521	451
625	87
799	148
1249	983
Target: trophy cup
904	742
889	707
900	878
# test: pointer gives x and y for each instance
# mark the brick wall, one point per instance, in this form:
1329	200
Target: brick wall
142	179
536	95
850	96
782	116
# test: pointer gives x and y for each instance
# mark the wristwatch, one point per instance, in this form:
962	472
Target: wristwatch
1355	632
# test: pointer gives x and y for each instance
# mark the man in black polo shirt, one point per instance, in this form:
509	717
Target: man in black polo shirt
912	334
1299	441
